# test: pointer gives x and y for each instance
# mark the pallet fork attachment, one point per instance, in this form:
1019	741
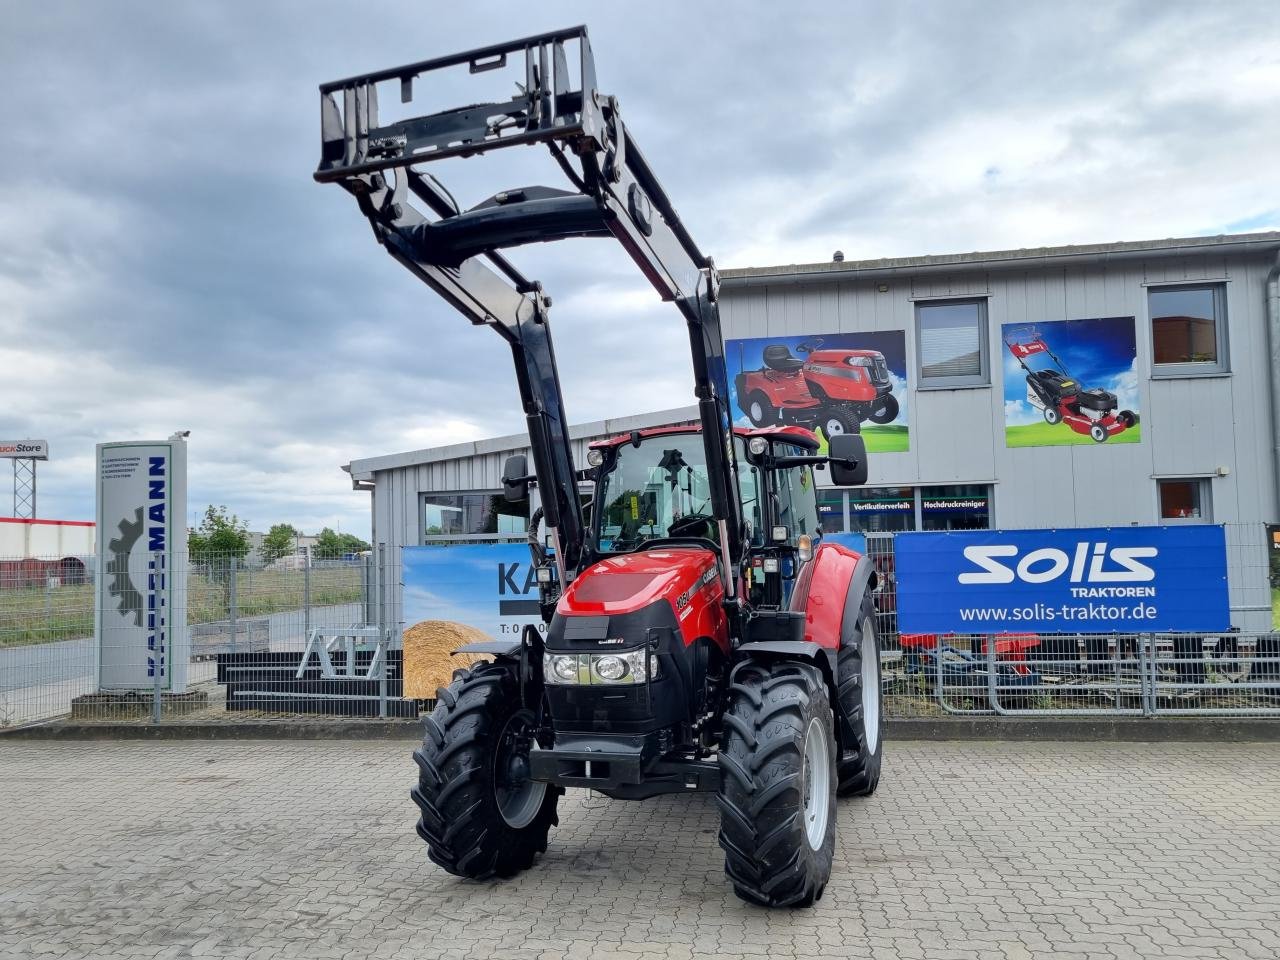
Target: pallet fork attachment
459	253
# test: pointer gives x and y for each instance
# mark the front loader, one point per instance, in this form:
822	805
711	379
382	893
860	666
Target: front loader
700	635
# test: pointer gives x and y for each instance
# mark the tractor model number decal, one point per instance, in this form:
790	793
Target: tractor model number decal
682	601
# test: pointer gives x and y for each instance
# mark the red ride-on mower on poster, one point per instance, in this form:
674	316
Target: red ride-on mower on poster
831	390
1060	397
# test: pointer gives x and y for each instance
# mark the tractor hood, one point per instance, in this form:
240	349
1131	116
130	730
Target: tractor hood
632	581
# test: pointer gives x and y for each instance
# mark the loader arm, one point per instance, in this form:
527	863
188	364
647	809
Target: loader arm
458	253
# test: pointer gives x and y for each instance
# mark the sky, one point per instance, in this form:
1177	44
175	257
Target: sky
167	262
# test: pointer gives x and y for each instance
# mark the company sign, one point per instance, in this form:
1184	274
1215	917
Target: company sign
24	449
141	608
1105	579
491	587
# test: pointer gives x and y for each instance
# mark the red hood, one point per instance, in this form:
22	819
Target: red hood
631	581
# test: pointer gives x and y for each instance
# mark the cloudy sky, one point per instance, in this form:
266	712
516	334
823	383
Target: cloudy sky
166	261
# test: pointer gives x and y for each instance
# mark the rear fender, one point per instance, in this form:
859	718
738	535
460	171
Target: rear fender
833	581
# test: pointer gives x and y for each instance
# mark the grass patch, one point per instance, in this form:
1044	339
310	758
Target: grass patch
1275	608
1061	435
34	615
890	438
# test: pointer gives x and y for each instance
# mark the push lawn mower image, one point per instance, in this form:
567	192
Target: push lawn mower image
1059	396
833	390
700	634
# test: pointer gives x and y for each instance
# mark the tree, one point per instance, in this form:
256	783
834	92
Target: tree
220	537
280	541
331	545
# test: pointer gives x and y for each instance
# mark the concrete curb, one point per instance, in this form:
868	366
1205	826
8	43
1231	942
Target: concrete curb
1114	729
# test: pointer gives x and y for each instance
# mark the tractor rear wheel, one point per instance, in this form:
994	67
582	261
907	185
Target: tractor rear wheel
481	815
760	411
778	784
861	697
885	409
836	421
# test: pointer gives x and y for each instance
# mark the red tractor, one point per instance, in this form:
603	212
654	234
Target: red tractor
832	390
1059	396
700	634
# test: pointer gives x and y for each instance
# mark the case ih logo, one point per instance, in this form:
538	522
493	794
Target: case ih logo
1089	563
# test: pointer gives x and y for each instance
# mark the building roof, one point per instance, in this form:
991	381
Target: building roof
363	470
1004	259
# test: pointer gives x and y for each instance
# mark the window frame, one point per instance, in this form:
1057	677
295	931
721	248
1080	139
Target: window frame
425	538
962	381
1192	369
1205	485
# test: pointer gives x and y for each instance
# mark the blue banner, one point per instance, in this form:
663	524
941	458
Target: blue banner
488	586
1105	579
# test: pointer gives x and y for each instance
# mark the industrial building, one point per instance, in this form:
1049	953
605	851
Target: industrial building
1170	347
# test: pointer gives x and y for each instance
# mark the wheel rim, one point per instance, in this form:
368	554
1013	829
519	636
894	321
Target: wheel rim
816	784
870	685
518	797
834	427
757	411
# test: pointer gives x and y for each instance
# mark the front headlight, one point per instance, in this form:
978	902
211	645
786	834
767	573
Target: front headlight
603	669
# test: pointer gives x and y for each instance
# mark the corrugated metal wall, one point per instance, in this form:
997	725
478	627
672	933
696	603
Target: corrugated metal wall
1190	426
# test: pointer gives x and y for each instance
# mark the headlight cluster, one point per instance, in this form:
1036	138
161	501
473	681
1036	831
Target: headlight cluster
625	666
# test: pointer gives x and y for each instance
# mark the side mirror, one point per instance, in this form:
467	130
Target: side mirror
847	454
515	478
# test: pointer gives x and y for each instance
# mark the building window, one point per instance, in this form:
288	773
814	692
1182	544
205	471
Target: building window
831	510
957	507
1188	329
1187	500
467	514
951	343
882	509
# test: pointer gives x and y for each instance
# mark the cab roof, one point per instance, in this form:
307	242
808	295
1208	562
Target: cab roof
797	435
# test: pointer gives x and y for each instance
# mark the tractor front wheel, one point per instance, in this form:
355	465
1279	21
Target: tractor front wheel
481	814
885	409
861	698
778	784
760	411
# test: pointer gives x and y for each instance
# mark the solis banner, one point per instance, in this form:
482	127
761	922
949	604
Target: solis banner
490	587
1102	579
828	383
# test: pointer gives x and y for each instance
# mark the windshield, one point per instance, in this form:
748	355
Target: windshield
658	484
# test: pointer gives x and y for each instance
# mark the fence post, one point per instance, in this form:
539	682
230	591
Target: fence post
1147	672
231	604
160	650
306	595
48	604
384	634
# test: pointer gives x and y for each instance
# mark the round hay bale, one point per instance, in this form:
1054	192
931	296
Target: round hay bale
428	658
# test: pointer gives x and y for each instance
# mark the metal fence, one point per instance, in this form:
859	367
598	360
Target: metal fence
321	636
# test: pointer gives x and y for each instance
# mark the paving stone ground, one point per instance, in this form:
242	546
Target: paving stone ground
1012	851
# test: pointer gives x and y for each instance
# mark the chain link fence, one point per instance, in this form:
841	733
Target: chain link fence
320	636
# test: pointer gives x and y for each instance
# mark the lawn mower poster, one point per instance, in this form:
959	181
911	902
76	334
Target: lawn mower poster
1099	580
1070	382
831	384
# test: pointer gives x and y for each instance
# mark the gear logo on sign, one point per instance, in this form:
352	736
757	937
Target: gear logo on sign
121	586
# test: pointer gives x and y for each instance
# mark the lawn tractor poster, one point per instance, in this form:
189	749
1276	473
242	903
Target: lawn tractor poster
1071	382
829	383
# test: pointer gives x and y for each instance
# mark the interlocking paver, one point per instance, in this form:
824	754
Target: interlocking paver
271	850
